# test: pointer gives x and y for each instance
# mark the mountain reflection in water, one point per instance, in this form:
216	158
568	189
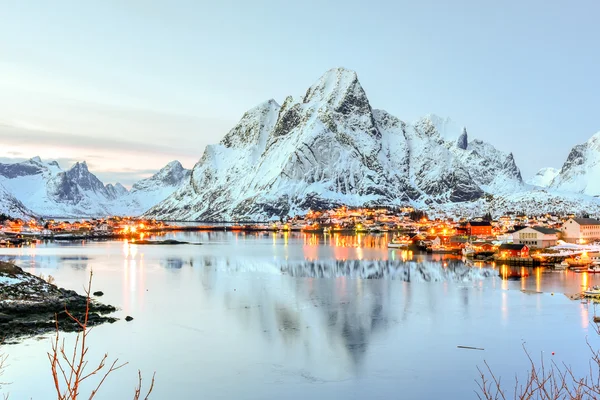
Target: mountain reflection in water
415	271
387	269
336	317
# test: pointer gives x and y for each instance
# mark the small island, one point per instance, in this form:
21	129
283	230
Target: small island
162	242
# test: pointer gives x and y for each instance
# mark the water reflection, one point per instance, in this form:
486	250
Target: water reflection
387	269
280	320
333	319
172	263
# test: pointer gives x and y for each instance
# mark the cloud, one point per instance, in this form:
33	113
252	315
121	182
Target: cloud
125	178
11	135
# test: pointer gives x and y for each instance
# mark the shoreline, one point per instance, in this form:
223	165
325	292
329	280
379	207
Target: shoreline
30	306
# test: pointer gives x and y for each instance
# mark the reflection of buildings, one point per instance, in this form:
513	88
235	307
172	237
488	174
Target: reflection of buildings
345	246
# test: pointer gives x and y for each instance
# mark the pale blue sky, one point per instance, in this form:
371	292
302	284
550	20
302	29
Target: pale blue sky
95	80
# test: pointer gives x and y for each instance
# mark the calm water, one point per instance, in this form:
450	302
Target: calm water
291	316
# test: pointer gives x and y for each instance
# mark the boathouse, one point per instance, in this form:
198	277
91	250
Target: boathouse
513	250
479	228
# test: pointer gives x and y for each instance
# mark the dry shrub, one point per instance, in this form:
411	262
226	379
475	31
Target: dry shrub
70	368
545	381
49	279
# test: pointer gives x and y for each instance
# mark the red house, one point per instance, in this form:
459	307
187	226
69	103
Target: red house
514	250
479	228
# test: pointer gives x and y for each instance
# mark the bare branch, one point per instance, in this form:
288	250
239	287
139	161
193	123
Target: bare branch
69	371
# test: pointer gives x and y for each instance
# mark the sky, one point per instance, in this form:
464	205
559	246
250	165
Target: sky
130	85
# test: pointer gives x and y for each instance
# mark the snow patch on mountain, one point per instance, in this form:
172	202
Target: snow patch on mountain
10	206
116	191
544	177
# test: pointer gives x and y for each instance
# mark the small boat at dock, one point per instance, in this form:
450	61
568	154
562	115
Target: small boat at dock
593	269
399	242
441	250
561	266
592	292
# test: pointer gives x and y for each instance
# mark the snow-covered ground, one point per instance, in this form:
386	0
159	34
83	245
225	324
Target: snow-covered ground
9	280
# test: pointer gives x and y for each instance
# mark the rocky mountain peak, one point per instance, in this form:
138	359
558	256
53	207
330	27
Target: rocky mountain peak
463	141
171	174
581	170
340	89
173	166
81	176
80	167
115	191
254	126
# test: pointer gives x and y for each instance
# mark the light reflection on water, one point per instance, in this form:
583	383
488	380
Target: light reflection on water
290	315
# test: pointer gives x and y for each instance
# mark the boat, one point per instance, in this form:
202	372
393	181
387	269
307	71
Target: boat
593	269
561	266
468	251
592	292
392	245
578	263
441	250
399	242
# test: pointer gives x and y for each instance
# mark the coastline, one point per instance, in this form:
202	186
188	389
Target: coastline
31	306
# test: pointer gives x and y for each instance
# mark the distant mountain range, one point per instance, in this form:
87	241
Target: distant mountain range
38	188
326	148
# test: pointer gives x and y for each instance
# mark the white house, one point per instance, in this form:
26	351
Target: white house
104	227
536	236
581	230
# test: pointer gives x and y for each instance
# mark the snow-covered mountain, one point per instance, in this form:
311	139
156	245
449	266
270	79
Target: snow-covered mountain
329	147
43	188
543	177
10	206
116	191
49	191
581	171
148	192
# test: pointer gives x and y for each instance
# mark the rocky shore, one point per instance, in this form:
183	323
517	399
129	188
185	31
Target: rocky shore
31	306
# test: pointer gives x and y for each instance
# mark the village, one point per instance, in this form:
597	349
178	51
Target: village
512	238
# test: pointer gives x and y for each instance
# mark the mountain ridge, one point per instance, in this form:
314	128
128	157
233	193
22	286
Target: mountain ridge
35	187
330	147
